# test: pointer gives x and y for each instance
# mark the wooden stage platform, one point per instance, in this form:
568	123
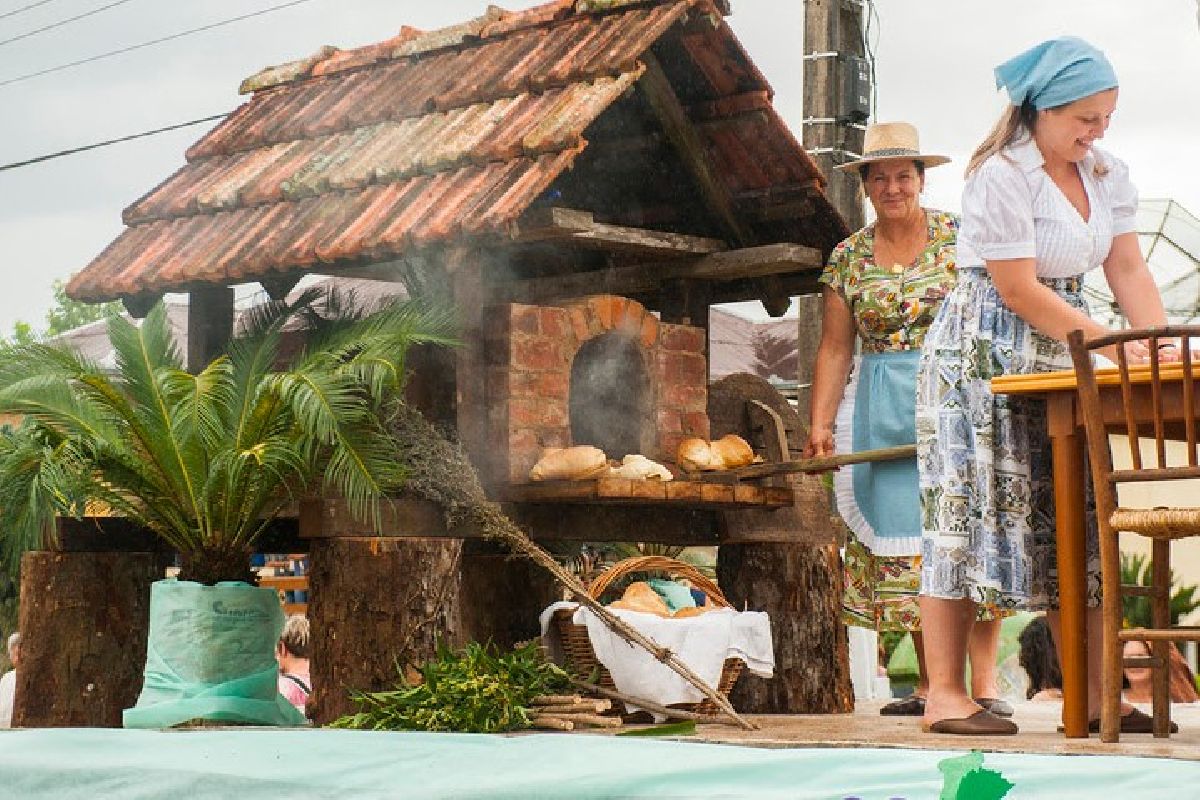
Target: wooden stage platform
1038	722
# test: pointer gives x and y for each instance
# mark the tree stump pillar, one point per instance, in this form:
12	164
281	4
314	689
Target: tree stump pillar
784	562
84	620
376	603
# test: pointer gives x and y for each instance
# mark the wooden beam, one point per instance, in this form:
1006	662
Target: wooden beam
717	268
209	325
330	518
579	227
683	135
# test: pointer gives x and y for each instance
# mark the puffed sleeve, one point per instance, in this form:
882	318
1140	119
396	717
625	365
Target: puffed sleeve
837	269
997	212
1122	195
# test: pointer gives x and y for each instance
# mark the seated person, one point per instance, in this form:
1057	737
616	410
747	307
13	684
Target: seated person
1139	679
292	652
1040	661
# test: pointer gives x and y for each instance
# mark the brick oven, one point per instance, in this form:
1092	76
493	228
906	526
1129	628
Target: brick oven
601	370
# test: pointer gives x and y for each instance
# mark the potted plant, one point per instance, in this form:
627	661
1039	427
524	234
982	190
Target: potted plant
205	461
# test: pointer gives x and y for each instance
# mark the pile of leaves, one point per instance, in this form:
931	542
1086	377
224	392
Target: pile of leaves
474	690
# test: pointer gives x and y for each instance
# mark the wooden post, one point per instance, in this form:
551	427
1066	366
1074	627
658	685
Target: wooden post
84	621
376	603
786	563
808	338
210	325
831	26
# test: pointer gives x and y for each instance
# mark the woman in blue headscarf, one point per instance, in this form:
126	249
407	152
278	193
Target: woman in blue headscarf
1041	207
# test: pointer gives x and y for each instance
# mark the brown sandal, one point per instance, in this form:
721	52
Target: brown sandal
911	706
981	723
1135	721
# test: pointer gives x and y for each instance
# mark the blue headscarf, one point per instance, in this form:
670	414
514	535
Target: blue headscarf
1056	72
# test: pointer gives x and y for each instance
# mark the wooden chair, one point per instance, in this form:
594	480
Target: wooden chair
1157	402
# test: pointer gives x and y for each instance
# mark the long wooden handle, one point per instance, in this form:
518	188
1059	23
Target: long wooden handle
808	464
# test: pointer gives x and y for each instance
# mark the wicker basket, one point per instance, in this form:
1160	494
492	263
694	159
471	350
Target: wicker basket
581	659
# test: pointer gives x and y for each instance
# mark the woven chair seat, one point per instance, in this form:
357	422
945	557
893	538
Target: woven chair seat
1158	523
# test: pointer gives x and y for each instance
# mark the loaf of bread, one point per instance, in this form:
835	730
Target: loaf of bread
729	452
570	464
733	451
639	468
695	455
640	597
693	611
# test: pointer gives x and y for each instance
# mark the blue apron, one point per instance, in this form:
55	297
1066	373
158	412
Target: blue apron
885	416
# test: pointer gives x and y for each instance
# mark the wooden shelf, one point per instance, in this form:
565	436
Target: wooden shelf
622	491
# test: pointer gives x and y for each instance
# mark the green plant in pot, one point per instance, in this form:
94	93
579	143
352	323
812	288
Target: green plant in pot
205	461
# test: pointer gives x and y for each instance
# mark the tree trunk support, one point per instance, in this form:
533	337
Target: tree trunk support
84	621
376	603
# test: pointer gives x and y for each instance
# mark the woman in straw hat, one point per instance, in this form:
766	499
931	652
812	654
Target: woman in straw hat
1041	207
883	285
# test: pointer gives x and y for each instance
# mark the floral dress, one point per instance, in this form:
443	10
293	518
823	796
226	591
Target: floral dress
984	460
892	307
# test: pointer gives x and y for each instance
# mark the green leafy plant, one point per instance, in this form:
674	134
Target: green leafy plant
1136	570
205	461
474	690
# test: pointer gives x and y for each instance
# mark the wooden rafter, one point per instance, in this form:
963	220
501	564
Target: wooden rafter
682	133
716	268
579	227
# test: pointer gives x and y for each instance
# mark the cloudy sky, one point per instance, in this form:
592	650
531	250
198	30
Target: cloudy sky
934	65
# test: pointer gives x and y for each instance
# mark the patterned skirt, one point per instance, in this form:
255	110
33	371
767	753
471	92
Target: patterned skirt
987	495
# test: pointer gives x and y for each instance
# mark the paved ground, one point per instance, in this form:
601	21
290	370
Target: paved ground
1038	722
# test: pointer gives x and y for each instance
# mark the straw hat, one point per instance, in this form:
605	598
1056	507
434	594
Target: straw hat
884	141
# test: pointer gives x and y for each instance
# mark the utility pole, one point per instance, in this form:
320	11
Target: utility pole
832	135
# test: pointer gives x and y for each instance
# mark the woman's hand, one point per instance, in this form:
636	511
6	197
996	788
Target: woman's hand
819	444
1137	351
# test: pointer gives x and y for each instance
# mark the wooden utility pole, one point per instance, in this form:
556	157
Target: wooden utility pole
833	32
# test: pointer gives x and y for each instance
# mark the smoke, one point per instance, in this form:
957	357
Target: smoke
610	404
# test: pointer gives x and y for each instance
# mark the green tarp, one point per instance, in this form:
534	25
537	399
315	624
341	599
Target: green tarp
86	764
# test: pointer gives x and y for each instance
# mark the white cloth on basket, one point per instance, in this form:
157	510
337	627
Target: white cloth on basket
703	642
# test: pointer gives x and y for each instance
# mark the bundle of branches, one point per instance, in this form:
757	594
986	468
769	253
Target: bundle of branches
440	471
474	690
566	712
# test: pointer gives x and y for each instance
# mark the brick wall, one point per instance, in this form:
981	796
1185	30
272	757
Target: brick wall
530	350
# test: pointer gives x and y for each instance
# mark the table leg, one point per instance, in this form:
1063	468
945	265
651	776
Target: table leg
1067	452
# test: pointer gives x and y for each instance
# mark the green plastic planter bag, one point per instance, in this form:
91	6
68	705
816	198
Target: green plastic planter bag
211	655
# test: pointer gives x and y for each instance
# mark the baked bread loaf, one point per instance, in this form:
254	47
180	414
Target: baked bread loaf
729	452
640	597
733	451
569	464
639	468
694	611
695	455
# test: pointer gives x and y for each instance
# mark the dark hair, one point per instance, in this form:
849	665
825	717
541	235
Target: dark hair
865	169
1038	657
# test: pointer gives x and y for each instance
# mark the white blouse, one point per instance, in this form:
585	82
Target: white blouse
1012	209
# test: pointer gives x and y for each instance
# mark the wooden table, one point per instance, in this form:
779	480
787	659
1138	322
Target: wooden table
1067	446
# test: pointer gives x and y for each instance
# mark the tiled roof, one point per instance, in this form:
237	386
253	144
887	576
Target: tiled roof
356	156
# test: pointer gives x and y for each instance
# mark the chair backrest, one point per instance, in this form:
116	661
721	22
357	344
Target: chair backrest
1153	401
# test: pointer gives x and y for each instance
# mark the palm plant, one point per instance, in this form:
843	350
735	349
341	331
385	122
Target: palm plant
1136	570
205	461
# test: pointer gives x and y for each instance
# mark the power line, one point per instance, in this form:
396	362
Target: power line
63	22
97	145
152	42
16	11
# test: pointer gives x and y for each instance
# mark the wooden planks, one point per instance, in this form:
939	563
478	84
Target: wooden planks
634	492
579	227
732	265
